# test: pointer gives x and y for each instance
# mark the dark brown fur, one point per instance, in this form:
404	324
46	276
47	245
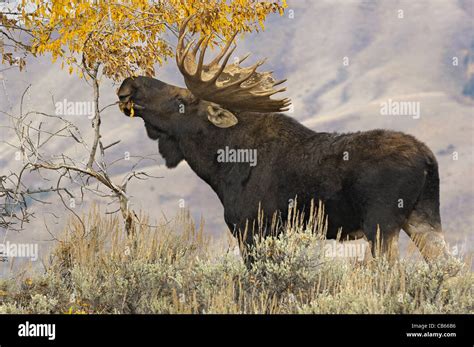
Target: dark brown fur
360	194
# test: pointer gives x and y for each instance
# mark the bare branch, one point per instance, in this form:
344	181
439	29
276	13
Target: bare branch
70	177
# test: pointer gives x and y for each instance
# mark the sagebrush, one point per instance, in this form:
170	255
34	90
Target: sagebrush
174	269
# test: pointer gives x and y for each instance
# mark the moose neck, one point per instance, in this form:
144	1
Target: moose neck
189	135
198	141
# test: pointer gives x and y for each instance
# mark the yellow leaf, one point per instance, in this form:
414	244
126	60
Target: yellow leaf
132	111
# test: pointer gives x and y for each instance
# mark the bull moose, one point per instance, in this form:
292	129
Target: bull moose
371	183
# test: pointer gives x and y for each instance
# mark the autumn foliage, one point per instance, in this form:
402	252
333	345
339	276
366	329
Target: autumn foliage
128	37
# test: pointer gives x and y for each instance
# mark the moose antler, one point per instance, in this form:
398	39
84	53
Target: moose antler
230	86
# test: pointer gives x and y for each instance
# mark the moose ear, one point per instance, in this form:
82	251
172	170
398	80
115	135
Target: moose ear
221	117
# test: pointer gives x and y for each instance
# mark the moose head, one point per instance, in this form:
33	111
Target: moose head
215	96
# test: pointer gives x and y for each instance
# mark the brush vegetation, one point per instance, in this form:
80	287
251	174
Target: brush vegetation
173	268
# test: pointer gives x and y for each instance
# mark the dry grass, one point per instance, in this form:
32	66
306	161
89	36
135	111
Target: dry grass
172	269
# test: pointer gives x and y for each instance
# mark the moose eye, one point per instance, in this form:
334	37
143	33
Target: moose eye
124	98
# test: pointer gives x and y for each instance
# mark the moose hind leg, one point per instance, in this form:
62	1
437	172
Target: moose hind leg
427	236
